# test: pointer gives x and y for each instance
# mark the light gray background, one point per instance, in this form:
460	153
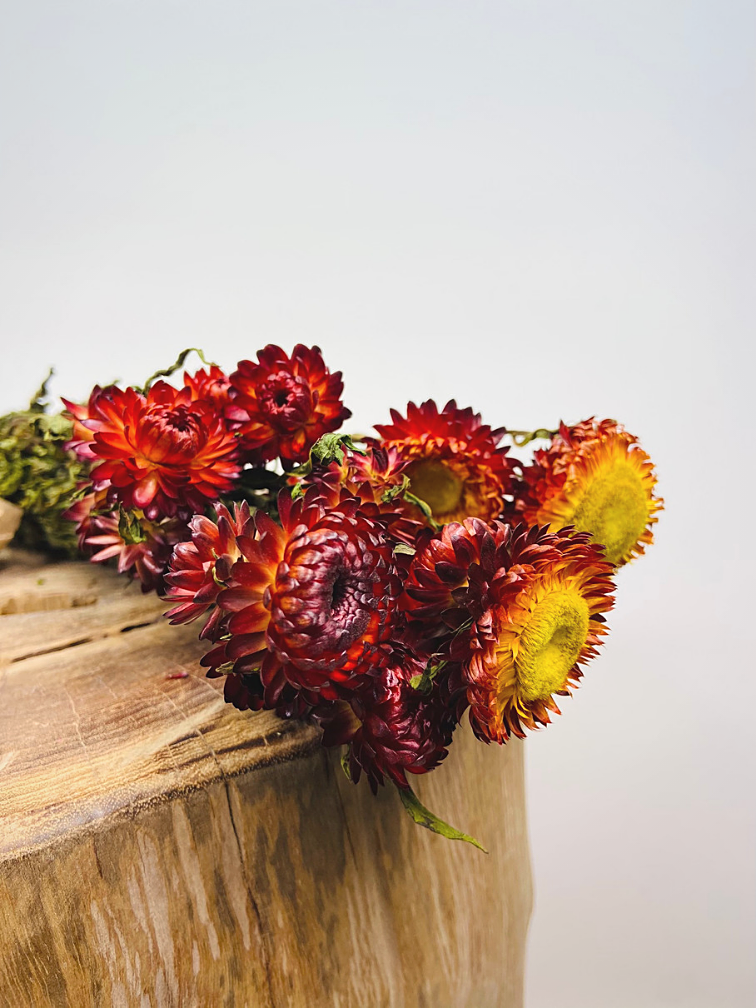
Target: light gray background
544	209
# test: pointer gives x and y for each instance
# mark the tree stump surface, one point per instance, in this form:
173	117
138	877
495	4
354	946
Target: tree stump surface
160	848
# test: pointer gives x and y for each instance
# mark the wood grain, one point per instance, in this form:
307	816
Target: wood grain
159	848
10	519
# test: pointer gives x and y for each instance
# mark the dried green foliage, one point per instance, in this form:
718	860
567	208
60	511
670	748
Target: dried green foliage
39	475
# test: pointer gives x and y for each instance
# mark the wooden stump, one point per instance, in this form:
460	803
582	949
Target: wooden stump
158	847
10	519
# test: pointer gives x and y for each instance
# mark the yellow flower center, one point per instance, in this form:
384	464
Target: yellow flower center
614	508
437	485
550	644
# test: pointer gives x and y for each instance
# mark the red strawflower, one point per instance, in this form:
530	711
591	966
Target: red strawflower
81	510
162	452
246	692
377	479
441	569
87	419
392	729
290	402
453	460
199	567
312	602
145	552
214	386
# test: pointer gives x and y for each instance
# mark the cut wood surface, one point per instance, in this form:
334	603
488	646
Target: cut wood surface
10	519
159	847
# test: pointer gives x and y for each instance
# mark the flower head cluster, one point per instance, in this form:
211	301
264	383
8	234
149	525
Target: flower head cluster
381	588
159	457
305	617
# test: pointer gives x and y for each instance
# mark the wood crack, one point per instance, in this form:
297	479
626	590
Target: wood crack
250	894
253	902
85	639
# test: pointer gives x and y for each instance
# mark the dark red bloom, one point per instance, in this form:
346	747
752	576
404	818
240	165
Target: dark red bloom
290	402
81	510
392	728
435	596
162	452
246	692
332	597
311	603
199	567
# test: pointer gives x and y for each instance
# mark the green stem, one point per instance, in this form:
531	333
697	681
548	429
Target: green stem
425	508
522	437
36	404
423	817
179	362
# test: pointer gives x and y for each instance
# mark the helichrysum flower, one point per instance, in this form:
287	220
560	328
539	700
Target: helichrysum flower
246	692
518	610
391	728
199	567
377	478
309	602
214	386
163	453
86	418
289	403
140	547
596	477
454	462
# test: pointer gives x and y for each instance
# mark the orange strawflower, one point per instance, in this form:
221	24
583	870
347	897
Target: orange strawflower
596	477
515	611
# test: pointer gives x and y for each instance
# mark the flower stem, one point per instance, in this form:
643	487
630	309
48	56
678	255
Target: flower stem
424	817
523	437
179	362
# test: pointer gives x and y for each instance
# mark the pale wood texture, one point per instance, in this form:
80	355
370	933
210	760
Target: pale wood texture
159	848
10	519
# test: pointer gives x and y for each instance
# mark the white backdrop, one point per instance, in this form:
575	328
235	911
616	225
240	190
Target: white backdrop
544	209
